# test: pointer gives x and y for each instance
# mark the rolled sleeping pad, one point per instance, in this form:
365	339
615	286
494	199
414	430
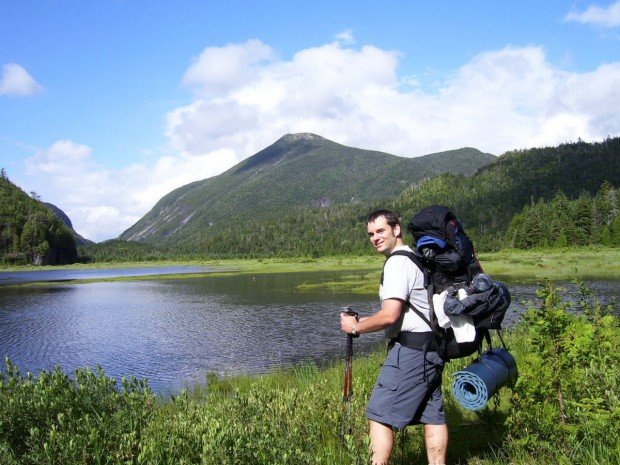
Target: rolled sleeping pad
475	385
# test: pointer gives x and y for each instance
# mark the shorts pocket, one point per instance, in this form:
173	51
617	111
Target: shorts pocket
390	374
388	378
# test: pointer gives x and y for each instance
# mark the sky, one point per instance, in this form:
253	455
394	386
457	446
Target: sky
106	106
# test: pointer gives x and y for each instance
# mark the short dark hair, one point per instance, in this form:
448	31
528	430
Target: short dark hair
391	217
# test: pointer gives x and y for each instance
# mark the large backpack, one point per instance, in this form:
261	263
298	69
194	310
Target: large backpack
446	255
446	249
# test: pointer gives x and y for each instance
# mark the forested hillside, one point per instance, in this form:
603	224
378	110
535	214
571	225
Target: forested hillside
486	203
79	240
29	232
299	171
524	194
562	222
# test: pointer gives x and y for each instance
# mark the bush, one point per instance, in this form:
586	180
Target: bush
53	419
567	392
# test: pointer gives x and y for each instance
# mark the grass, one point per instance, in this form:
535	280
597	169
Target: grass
510	265
554	264
294	416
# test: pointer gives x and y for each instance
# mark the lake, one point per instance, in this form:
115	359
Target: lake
175	331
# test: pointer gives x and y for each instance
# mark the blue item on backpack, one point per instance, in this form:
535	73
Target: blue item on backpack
430	241
475	385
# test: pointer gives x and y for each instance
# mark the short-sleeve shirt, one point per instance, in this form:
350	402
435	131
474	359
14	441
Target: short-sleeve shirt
403	280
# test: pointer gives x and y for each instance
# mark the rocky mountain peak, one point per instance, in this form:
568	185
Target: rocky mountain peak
300	136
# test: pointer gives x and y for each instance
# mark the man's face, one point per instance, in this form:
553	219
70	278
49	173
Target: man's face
383	236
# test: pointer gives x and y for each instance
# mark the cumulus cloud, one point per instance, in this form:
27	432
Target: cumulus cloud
60	156
500	100
102	202
603	16
245	97
15	80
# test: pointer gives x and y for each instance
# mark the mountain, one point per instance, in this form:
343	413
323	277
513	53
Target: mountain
487	201
297	171
29	232
62	216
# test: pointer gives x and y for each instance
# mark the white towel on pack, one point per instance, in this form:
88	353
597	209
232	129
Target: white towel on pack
462	325
442	319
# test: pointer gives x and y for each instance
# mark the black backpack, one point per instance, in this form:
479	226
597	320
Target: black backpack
446	256
446	249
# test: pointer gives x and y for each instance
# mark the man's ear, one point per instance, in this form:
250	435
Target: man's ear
397	230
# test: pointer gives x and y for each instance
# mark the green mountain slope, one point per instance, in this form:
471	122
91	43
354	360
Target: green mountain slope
79	240
298	171
29	232
485	203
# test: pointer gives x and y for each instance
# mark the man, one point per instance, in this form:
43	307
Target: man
408	388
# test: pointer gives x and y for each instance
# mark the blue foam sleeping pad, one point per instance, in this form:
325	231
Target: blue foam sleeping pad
475	385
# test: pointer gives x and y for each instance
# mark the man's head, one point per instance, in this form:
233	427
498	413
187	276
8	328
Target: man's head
384	231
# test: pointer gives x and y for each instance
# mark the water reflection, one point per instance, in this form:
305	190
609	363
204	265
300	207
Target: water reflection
173	332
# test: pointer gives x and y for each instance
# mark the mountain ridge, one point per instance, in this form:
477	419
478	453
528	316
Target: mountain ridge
302	169
62	216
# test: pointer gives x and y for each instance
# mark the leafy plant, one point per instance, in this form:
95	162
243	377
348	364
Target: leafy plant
567	392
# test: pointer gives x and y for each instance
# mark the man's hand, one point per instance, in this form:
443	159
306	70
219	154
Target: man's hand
347	322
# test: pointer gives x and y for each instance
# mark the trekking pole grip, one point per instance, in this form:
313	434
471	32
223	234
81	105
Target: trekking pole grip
349	311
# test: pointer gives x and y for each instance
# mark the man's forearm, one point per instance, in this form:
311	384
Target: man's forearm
388	315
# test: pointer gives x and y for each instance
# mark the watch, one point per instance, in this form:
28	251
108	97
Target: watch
354	330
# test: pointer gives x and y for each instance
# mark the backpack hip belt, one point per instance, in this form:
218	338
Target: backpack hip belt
419	341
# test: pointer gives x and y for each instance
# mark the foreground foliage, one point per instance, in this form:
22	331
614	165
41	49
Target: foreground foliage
563	409
569	388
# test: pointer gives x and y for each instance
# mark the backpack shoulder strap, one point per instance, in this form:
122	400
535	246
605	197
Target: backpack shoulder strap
414	258
427	284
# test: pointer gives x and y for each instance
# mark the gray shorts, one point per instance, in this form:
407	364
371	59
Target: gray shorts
403	395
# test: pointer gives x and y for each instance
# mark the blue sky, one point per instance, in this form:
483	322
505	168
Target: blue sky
107	106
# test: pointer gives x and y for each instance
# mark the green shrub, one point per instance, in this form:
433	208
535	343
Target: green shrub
53	419
567	394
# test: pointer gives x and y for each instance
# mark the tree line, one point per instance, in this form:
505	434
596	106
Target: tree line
561	222
552	196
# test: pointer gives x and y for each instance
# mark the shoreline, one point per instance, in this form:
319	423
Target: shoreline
588	263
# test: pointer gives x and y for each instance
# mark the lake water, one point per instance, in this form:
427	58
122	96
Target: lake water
67	274
174	332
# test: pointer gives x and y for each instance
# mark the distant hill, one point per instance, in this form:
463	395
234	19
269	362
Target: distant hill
29	232
79	240
510	192
487	202
297	171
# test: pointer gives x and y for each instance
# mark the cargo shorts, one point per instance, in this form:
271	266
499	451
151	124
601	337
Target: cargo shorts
408	389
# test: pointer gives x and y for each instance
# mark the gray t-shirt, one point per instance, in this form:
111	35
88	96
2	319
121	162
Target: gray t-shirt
403	280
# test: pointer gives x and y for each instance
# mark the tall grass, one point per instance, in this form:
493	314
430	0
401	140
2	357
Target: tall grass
296	416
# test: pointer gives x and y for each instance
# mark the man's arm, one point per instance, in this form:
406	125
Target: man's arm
388	315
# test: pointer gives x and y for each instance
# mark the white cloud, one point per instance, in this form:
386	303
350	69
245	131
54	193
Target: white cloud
15	80
604	16
246	98
500	100
217	69
60	156
345	37
101	202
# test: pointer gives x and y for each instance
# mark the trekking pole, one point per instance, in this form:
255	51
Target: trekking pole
348	378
